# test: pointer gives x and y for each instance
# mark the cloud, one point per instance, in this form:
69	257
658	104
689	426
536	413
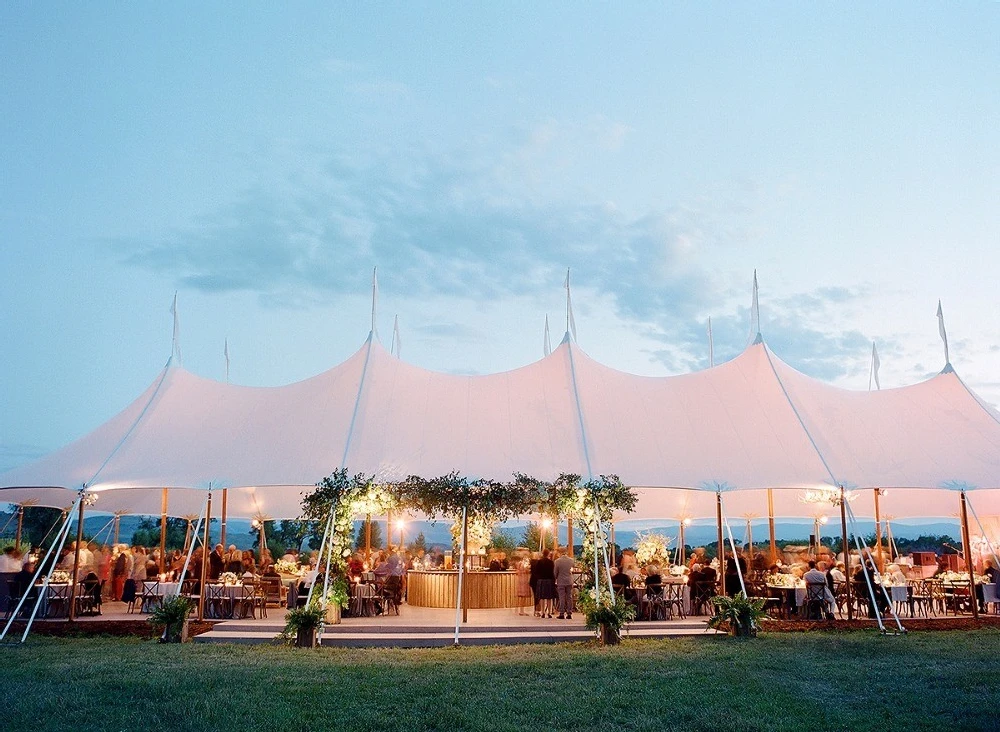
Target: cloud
460	225
13	454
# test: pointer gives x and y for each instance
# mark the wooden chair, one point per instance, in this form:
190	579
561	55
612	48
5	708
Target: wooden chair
149	595
273	590
816	600
58	601
673	599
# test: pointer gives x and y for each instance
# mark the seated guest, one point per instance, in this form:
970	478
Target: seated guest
622	583
270	571
152	570
355	565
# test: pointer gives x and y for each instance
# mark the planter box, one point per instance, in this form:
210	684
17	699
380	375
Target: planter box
333	614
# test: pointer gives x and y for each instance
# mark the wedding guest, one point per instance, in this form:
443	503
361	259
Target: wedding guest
563	574
545	586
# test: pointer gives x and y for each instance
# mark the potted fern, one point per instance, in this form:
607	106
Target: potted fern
609	614
302	625
173	615
742	615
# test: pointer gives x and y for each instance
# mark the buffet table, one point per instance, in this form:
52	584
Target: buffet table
439	588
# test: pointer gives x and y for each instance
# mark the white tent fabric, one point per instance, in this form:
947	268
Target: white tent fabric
740	427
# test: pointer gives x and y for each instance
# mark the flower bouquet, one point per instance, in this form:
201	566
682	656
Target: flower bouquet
229	579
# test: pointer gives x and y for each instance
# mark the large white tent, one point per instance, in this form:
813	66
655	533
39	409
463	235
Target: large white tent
747	425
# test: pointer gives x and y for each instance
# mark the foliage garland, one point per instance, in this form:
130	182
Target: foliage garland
487	502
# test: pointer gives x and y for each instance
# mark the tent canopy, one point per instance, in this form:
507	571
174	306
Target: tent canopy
746	425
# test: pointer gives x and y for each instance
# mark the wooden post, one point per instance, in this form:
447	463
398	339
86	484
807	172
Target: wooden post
20	524
118	525
967	551
187	535
569	534
260	552
879	558
388	530
163	532
222	527
750	541
845	547
204	559
76	562
770	525
722	547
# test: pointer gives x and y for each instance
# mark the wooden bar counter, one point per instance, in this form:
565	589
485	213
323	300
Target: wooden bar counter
438	588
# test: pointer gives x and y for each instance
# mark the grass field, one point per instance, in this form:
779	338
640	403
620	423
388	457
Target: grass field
853	681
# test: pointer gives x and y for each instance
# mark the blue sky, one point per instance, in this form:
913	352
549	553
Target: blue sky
260	159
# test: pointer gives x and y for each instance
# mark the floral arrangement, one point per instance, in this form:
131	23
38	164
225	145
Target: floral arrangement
286	567
480	533
678	571
60	577
782	580
653	548
950	576
611	610
229	578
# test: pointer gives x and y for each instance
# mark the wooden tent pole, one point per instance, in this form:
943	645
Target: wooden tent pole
879	557
967	551
163	532
722	548
20	524
846	549
569	535
225	515
770	525
204	559
76	562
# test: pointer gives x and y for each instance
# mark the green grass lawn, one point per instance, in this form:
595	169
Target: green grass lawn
856	681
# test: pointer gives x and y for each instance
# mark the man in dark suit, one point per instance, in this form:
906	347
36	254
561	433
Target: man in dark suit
216	562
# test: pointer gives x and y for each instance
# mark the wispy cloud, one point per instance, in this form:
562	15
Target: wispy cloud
458	225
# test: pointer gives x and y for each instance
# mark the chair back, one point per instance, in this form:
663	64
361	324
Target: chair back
816	591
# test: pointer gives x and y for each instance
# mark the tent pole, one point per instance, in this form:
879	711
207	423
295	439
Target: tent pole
569	535
722	547
613	557
225	515
187	535
750	540
846	549
465	551
770	525
20	524
680	549
879	557
204	559
388	529
76	563
163	532
118	526
368	540
459	594
967	551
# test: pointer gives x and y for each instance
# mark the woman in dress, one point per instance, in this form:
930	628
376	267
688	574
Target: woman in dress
545	585
523	568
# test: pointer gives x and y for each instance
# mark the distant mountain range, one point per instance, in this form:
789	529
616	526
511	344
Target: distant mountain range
439	533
